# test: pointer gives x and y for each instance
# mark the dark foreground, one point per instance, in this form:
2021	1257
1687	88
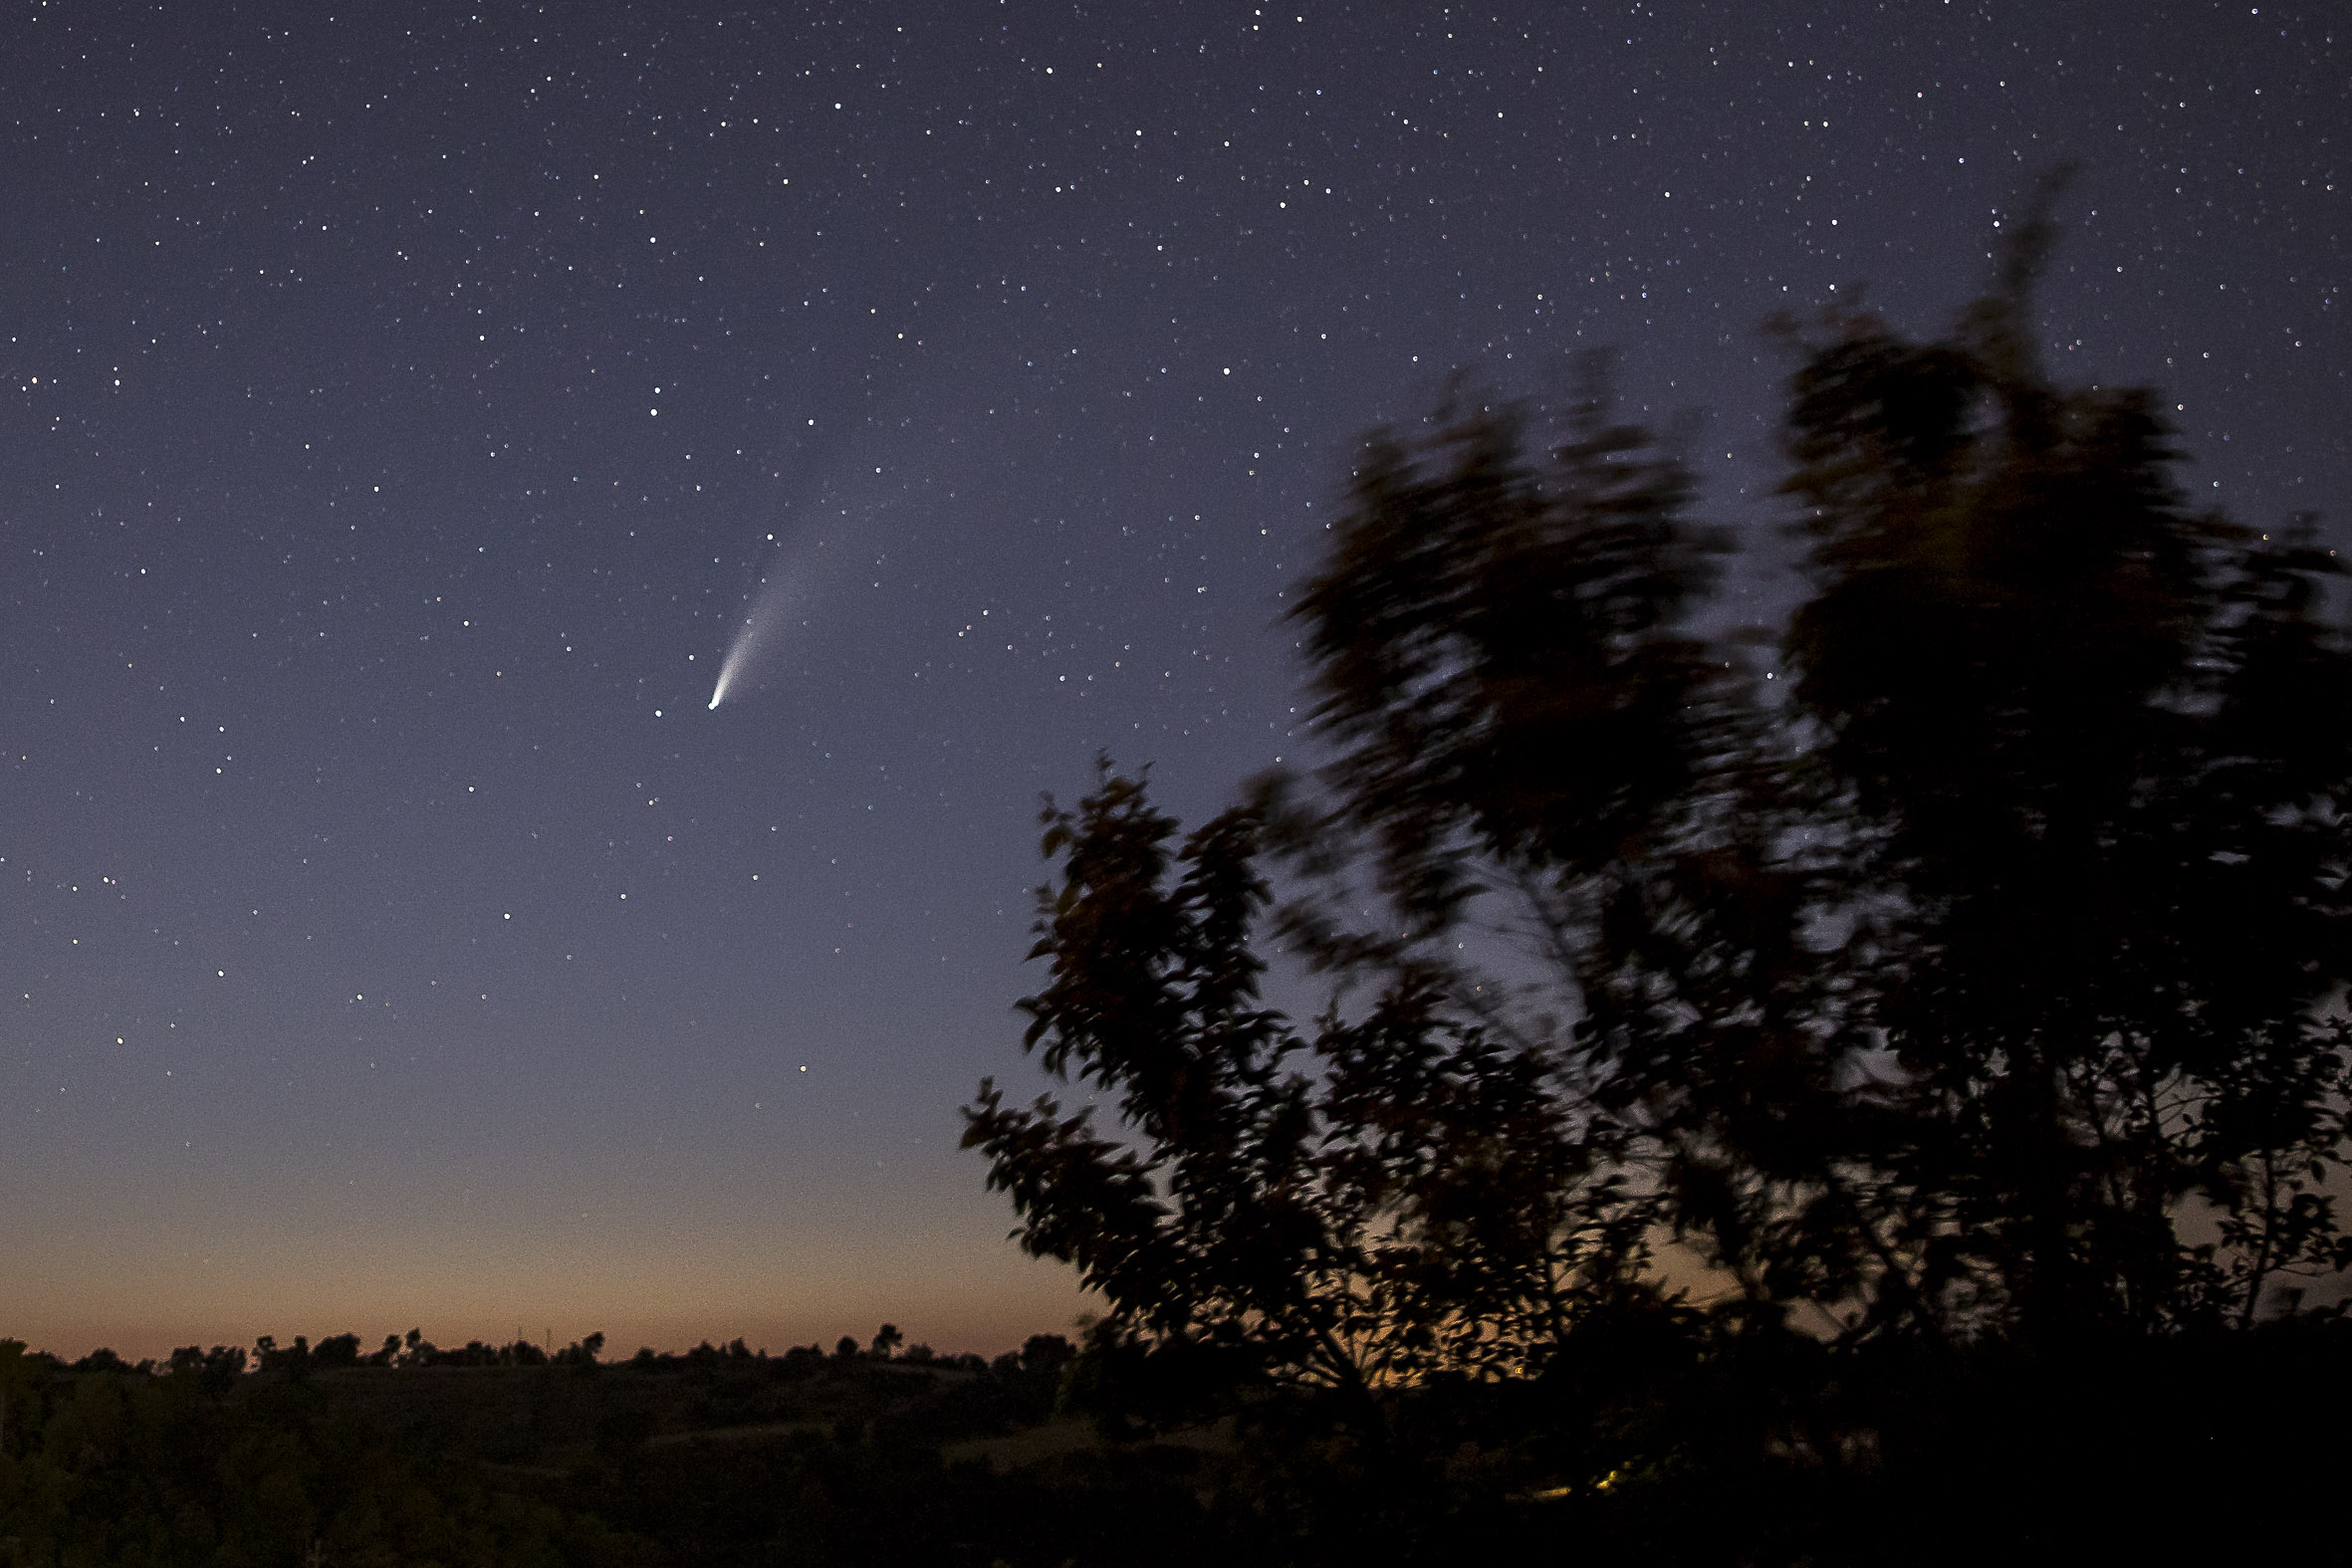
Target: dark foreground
1641	1449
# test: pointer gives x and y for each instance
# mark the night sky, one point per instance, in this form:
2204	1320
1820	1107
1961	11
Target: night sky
402	410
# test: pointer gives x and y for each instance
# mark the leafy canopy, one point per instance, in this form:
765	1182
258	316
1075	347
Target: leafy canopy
1975	974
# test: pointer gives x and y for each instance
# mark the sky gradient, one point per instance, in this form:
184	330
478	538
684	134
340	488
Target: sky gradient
402	410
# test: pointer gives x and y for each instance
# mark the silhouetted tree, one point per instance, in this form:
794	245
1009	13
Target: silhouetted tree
1425	1184
1972	973
292	1361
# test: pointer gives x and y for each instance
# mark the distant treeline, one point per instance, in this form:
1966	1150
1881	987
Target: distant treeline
414	1350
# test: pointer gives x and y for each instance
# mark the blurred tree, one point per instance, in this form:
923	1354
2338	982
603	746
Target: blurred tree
1971	970
2085	753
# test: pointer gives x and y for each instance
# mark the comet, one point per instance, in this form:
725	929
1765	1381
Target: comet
775	600
767	610
805	558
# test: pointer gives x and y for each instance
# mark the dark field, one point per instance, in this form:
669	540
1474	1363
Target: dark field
717	1456
1667	1449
